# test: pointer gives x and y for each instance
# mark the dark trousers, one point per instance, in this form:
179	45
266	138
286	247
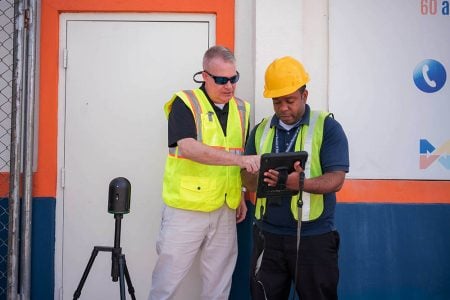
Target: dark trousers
318	272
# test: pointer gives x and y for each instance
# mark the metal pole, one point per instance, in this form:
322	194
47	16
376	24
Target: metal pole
16	132
30	29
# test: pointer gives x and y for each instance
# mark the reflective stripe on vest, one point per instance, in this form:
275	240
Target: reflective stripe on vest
195	186
197	111
311	136
242	115
175	151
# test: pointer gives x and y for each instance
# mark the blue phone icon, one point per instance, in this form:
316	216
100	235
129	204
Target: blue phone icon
429	76
426	77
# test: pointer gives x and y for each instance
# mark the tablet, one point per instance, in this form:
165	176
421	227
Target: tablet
281	162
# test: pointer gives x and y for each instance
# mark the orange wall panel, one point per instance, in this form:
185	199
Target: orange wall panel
395	191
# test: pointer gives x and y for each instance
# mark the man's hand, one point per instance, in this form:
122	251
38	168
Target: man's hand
204	154
271	177
250	163
329	182
241	211
293	178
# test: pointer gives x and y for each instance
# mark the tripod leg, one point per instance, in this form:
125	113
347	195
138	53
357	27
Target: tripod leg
121	276
77	293
127	277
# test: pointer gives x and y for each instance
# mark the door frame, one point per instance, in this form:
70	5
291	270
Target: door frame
50	61
52	94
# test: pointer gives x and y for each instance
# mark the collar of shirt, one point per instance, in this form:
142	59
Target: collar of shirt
304	120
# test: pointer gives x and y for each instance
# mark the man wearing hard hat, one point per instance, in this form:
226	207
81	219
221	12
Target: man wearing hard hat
284	249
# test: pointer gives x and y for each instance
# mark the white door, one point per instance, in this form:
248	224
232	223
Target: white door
116	72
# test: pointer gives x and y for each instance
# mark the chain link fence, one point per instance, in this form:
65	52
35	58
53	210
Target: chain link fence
6	74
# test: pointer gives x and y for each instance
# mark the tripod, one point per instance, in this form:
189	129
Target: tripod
118	268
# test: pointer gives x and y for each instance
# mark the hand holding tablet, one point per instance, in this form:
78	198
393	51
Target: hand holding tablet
284	164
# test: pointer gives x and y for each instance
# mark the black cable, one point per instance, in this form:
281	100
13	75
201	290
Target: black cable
301	184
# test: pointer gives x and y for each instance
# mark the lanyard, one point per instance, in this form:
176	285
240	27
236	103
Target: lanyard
291	143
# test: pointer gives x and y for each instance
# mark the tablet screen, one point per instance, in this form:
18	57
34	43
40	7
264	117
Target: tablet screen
280	162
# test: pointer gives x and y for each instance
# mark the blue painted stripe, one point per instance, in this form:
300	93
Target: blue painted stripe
394	251
387	251
4	220
43	247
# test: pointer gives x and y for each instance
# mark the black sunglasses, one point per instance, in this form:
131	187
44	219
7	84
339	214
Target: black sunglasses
224	80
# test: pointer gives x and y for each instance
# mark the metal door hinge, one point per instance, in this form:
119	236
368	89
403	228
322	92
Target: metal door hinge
65	58
63	177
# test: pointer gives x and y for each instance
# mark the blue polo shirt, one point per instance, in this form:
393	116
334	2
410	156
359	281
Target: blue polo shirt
334	156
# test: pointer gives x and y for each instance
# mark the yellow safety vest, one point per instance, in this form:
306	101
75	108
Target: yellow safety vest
311	136
194	186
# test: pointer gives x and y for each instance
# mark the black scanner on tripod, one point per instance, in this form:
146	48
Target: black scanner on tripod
119	196
118	204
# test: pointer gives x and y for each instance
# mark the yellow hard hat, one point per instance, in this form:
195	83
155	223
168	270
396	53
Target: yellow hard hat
284	76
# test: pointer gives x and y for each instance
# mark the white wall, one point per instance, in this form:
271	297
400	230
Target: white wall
375	49
277	34
244	50
316	51
268	29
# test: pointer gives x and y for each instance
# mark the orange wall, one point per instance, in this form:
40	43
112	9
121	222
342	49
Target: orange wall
395	191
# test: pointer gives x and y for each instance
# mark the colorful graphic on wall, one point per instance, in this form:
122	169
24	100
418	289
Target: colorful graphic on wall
429	154
388	86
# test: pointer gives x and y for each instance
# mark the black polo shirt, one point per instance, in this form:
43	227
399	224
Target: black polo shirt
182	123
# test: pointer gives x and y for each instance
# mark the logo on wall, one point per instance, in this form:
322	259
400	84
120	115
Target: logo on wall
429	154
429	76
431	7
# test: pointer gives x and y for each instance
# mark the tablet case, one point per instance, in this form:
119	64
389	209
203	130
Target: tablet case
282	162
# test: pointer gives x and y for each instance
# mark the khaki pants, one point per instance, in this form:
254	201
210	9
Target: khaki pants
185	233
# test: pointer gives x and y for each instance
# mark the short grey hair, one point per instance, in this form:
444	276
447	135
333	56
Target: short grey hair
218	52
